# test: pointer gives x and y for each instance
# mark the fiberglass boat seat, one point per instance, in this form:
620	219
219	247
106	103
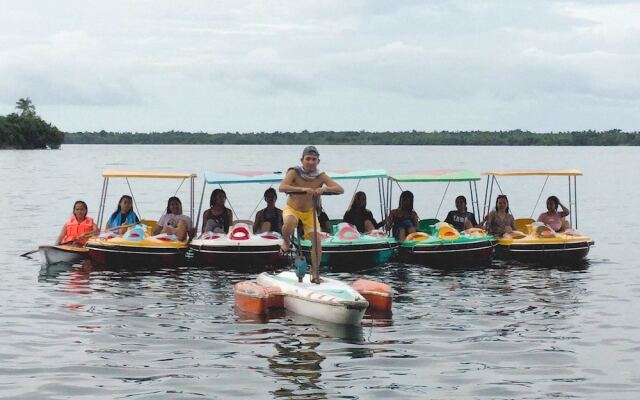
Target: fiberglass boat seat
426	225
521	224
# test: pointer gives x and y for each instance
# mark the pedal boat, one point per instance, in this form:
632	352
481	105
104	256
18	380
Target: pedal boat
347	249
138	247
534	242
63	253
239	248
443	246
331	300
439	244
350	249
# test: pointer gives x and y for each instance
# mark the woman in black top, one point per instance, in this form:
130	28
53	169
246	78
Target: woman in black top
358	215
269	219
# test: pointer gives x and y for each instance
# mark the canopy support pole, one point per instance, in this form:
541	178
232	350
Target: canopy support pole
540	195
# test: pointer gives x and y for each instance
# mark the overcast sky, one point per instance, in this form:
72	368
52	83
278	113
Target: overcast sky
218	66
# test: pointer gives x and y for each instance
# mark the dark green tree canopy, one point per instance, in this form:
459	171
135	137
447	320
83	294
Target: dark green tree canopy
27	130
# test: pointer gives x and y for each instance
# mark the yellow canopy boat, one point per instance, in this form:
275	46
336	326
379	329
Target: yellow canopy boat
138	246
534	241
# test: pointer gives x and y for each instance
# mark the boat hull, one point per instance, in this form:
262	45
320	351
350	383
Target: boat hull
567	253
50	255
238	257
330	301
129	256
353	256
448	254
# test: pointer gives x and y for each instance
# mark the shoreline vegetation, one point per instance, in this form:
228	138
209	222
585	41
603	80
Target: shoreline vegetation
26	130
614	137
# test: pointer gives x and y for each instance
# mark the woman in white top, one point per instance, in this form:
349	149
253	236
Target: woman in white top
174	222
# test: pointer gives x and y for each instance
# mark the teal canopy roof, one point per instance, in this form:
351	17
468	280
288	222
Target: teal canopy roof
437	175
356	174
230	177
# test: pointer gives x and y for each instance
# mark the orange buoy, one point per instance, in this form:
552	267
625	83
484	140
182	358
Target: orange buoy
378	294
253	298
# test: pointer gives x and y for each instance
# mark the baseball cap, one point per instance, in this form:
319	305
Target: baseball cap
310	150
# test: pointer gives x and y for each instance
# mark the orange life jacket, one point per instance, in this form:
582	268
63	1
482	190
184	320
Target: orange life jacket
75	229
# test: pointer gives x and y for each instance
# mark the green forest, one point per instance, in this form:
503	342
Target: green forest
26	130
613	137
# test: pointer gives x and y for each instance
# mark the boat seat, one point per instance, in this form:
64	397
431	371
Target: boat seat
424	225
150	223
521	224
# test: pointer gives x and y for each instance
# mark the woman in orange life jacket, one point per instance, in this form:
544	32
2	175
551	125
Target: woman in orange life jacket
79	227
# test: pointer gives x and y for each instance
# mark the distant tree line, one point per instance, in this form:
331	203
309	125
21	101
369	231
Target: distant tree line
614	137
26	130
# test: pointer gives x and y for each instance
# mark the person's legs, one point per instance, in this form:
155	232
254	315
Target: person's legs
368	226
266	227
290	223
181	231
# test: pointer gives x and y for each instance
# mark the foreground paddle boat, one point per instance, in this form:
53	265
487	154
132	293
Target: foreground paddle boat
535	242
62	253
240	247
437	243
138	246
331	300
348	249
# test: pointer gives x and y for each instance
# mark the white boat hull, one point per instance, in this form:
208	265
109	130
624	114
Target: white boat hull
50	255
330	301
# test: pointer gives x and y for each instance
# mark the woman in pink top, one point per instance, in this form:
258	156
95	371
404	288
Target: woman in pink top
552	217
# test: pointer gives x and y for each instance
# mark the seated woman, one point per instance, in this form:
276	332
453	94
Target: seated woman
556	220
174	222
358	215
499	222
269	219
218	218
460	218
79	227
403	220
123	217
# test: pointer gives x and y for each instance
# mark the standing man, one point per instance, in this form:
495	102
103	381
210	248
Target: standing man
304	183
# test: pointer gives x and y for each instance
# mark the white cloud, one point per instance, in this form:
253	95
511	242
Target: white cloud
289	65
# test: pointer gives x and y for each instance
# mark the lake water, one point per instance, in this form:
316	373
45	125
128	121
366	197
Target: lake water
510	331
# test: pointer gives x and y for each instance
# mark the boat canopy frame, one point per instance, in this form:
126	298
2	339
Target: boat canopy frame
126	175
571	175
240	177
439	175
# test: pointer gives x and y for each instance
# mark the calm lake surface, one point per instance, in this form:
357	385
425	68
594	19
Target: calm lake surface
509	331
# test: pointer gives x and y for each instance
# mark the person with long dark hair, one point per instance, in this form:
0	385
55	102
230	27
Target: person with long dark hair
460	218
556	220
218	218
500	222
358	214
174	222
79	227
403	220
124	216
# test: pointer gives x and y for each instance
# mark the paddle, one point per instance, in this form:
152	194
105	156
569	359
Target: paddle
84	235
